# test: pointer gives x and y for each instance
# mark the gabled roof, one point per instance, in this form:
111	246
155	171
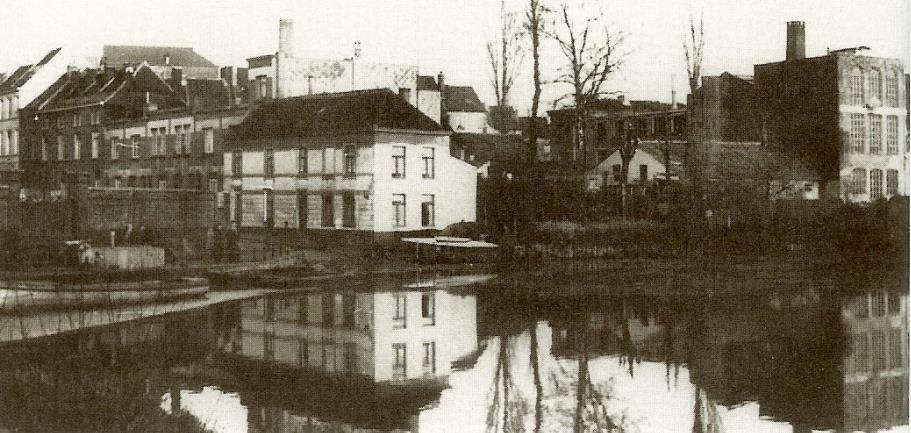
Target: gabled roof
356	111
94	86
117	55
463	99
23	73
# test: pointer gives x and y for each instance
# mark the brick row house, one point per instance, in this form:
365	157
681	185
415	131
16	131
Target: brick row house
363	160
126	127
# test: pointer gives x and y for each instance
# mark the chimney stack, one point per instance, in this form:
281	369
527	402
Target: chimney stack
796	48
286	37
441	83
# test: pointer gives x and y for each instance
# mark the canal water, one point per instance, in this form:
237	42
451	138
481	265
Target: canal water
425	355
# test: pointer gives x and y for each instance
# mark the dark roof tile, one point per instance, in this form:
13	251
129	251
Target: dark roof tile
463	99
154	56
361	110
23	73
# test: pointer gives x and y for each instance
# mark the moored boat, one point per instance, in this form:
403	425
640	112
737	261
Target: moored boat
27	294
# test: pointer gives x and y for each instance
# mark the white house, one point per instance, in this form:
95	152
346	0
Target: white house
364	160
648	164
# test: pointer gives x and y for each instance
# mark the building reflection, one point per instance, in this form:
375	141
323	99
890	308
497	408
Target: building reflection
349	359
876	360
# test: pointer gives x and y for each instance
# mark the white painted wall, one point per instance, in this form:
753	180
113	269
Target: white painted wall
469	122
602	174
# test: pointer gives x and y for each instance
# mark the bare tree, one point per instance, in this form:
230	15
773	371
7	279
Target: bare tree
505	54
692	50
592	54
534	27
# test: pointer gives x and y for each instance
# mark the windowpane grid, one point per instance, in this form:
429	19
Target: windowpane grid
859	181
857	87
858	131
876	133
876	184
891	182
892	135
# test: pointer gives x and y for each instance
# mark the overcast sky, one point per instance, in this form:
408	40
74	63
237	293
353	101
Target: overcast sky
450	36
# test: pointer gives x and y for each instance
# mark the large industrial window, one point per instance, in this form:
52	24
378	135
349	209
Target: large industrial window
398	209
398	160
857	87
858	132
891	182
892	135
891	89
876	133
875	84
858	181
876	184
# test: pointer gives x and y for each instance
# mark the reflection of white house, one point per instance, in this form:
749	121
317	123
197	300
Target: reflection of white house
389	337
647	164
363	160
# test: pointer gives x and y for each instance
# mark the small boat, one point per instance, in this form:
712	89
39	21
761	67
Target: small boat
23	295
450	249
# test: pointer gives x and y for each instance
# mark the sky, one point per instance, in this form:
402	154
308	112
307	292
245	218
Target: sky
451	36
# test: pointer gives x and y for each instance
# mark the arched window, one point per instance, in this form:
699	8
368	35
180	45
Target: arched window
891	89
875	84
857	86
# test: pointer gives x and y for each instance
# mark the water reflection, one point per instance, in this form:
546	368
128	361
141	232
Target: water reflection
392	356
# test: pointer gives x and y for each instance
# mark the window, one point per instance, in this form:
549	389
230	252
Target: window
160	135
96	117
95	138
301	209
268	347
237	163
268	208
875	85
43	149
61	122
328	214
405	93
861	352
891	89
427	210
428	308
238	208
328	307
14	142
134	145
178	144
208	140
349	306
876	133
643	173
615	169
891	182
428	158
857	87
60	150
876	184
892	135
878	304
77	120
430	357
348	210
399	319
398	365
303	352
858	132
302	161
398	209
398	160
895	306
350	160
895	348
878	350
858	181
213	185
77	144
268	163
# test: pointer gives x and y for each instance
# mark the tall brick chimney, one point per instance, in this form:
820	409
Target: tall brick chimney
796	48
286	36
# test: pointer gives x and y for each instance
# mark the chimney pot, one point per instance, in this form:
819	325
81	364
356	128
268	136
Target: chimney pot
796	44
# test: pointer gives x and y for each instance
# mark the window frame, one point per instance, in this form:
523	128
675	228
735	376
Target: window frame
876	184
208	140
269	163
349	210
350	160
429	161
397	160
891	135
399	202
431	200
875	122
891	182
400	313
302	161
135	144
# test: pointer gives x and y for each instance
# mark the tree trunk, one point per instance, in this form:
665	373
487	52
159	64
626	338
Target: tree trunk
624	174
582	383
536	375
